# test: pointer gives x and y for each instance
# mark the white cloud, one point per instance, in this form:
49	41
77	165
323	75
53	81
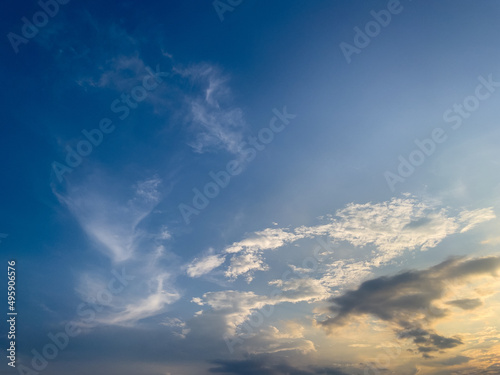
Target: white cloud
234	306
202	266
164	234
301	289
245	264
266	239
247	256
390	227
345	273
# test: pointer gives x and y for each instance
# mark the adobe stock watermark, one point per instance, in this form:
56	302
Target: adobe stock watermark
121	106
223	6
221	179
363	38
59	341
258	317
456	116
40	19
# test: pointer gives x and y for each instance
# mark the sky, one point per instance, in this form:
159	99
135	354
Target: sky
251	187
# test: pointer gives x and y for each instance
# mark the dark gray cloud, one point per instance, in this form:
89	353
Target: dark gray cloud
268	365
458	360
408	300
466	303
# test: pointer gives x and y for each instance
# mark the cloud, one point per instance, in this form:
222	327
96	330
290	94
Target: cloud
301	289
266	239
248	258
179	327
267	365
466	304
217	125
270	339
458	360
235	307
154	302
201	266
345	273
245	264
217	129
390	228
107	219
198	95
473	218
148	189
397	225
112	215
119	73
101	68
491	241
164	233
409	300
359	345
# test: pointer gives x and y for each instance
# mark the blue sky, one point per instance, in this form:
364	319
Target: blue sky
217	187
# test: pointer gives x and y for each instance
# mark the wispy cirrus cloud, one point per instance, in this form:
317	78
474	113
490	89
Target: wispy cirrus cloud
216	123
157	297
111	221
114	221
195	97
